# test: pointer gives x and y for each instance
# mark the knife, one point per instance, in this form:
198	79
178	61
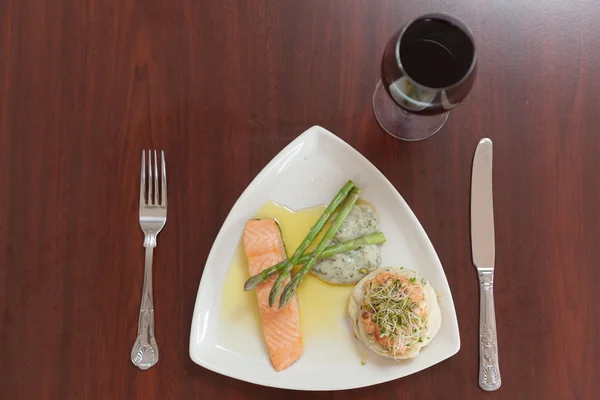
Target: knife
483	247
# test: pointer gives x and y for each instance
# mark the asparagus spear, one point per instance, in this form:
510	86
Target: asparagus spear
291	287
314	231
352	244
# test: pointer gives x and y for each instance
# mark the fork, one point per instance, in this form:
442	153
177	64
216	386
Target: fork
153	216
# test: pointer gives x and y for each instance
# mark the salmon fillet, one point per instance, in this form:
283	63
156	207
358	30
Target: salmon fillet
281	326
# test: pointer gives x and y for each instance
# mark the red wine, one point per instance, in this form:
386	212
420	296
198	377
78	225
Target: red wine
428	67
430	63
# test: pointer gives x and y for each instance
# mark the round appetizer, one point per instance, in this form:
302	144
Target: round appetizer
395	312
350	267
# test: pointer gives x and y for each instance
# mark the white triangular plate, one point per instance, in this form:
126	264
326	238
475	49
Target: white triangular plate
310	171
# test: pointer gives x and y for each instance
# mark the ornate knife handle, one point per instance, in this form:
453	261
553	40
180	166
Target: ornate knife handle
489	369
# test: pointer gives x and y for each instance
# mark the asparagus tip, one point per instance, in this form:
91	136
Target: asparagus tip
273	297
285	296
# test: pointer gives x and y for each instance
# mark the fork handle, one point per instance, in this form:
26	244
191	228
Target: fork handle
489	369
145	351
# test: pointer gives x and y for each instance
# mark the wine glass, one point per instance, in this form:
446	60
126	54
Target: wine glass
428	68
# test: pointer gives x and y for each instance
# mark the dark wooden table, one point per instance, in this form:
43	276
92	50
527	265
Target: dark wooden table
222	86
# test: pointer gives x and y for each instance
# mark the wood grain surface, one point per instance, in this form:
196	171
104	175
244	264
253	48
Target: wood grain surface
222	86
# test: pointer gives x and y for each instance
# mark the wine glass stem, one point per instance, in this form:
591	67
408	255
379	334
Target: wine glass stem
402	124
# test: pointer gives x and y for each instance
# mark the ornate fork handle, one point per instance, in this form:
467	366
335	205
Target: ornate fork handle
489	369
145	351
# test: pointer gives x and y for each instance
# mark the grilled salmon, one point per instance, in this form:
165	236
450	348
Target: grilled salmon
264	248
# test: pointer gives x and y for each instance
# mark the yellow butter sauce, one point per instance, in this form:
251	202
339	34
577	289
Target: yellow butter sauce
322	306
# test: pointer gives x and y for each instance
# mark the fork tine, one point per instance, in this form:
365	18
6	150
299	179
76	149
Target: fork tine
143	180
150	186
163	188
156	178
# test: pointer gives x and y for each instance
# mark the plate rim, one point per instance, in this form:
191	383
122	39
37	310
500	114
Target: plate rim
313	130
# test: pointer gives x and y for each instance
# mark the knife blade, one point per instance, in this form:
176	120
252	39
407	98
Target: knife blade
483	248
482	207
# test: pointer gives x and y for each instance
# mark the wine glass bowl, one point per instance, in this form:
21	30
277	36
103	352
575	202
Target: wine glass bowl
428	67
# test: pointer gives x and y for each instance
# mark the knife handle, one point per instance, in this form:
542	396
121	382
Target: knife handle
489	369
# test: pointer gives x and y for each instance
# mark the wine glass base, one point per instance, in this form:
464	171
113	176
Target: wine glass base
402	124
